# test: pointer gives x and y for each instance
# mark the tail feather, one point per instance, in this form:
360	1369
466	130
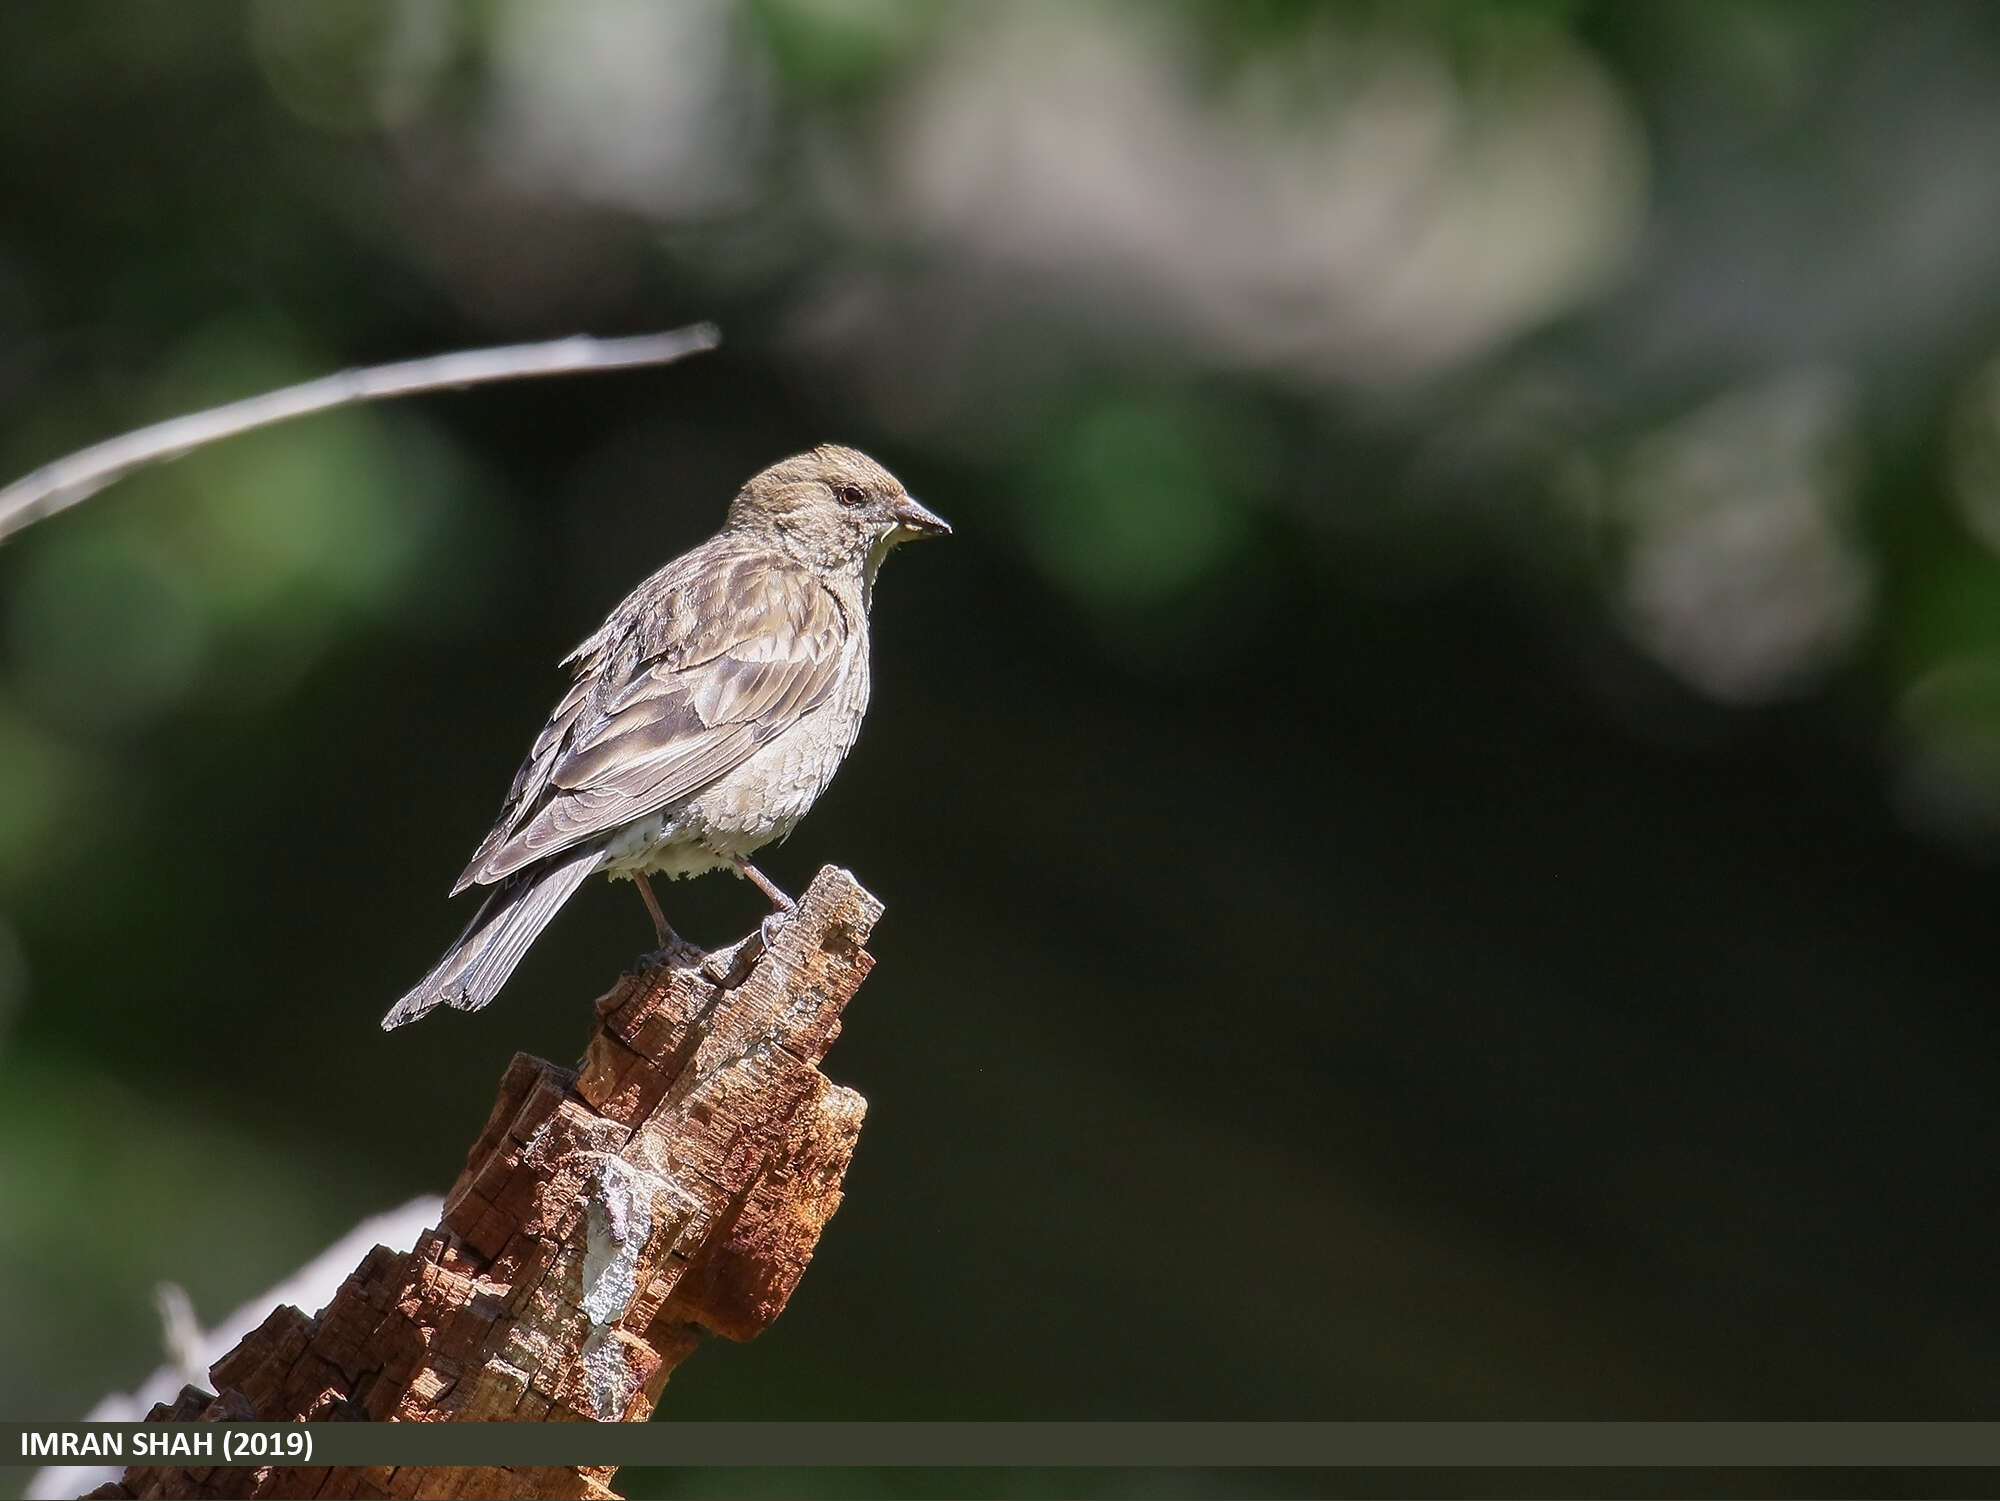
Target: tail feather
475	967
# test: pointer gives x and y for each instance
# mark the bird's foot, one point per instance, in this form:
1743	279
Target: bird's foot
774	924
675	953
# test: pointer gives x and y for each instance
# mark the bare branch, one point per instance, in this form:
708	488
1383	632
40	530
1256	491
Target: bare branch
57	486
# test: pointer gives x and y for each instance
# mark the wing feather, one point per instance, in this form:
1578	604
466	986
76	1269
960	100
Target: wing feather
708	660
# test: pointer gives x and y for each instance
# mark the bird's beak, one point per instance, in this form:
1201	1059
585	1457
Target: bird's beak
914	521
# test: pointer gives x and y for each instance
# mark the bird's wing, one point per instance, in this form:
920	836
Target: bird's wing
709	660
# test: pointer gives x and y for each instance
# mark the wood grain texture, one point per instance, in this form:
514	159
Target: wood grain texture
606	1219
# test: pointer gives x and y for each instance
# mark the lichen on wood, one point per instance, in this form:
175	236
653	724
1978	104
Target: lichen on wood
607	1217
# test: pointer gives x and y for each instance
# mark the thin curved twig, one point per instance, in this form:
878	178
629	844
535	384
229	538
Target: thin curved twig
57	486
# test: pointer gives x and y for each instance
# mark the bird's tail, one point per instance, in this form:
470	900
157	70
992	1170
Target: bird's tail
475	967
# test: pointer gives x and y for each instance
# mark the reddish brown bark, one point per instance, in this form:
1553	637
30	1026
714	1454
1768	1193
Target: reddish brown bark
604	1221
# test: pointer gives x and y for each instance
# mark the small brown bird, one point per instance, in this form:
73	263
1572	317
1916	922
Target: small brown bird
709	712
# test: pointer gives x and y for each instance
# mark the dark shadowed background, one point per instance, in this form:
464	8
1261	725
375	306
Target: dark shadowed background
1438	816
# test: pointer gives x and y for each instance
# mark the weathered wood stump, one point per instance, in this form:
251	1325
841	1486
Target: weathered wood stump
605	1218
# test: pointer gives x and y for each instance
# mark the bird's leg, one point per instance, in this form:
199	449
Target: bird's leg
662	929
765	884
782	905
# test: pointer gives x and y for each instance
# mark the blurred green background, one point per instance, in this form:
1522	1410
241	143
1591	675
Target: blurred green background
1438	816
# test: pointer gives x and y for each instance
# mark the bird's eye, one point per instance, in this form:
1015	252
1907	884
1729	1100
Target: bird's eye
851	495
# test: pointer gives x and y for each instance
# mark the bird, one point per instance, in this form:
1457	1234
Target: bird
703	720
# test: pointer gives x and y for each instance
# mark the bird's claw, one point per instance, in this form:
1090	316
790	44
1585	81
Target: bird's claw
675	953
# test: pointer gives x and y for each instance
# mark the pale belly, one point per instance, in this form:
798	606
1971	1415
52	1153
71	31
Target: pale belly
759	802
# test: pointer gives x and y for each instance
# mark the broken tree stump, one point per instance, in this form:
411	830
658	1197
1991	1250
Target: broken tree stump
606	1217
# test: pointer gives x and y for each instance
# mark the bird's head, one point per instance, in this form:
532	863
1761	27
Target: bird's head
833	509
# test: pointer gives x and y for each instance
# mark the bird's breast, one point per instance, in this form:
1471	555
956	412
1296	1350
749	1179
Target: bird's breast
758	801
772	790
